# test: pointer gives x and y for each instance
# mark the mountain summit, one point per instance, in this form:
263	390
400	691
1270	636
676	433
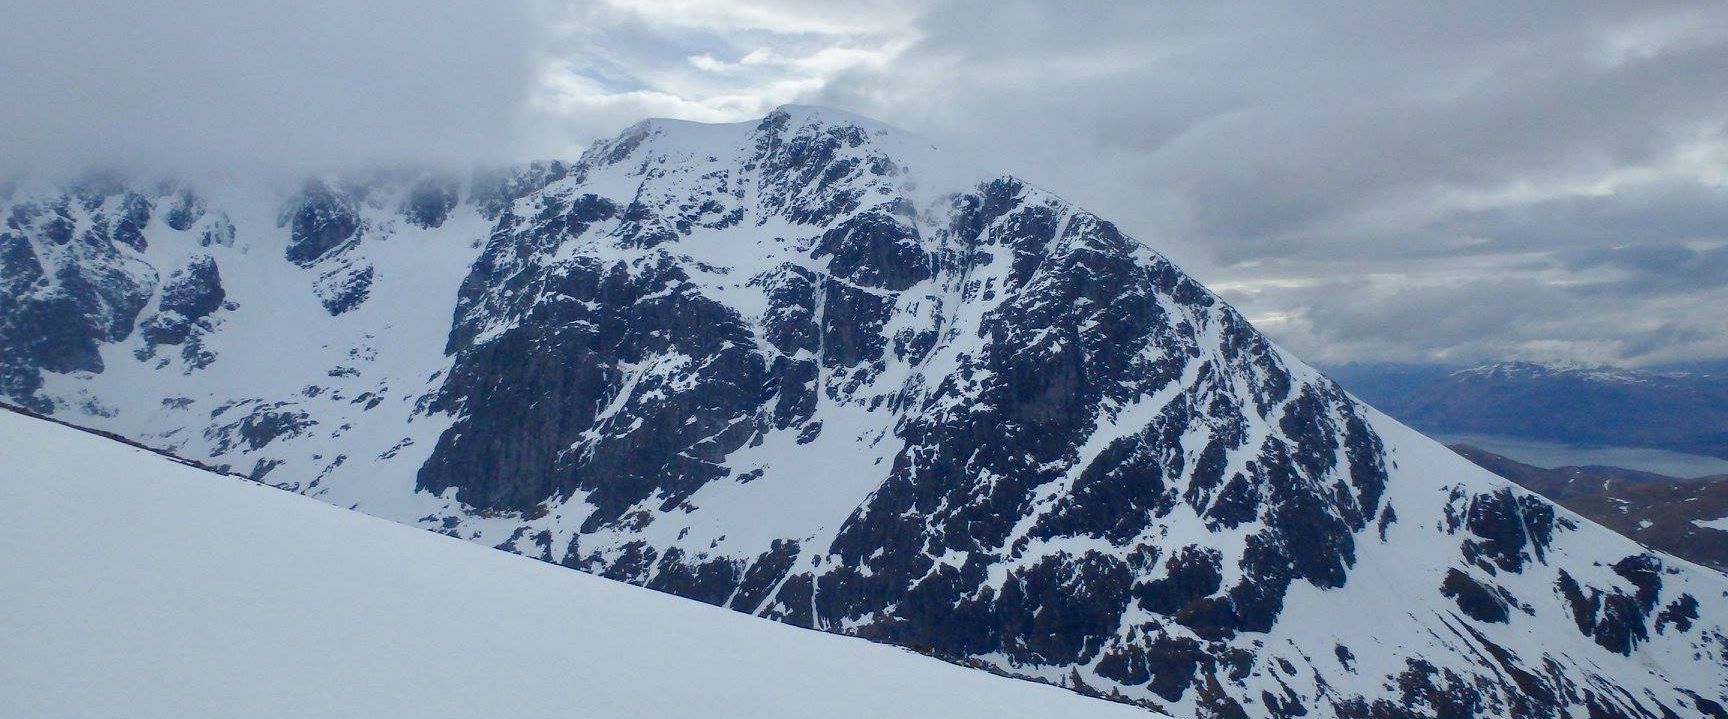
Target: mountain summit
807	369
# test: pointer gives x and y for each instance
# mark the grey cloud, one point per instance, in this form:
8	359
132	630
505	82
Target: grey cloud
1664	337
1431	319
1488	319
1291	132
1662	268
237	83
1660	212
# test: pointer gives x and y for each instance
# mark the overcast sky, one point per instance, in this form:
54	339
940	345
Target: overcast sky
1367	181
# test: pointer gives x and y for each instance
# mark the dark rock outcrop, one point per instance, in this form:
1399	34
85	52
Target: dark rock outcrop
319	220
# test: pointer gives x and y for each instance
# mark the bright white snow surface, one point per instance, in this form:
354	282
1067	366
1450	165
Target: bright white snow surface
134	586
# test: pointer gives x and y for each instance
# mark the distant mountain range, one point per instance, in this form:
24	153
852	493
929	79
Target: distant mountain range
1685	517
1676	410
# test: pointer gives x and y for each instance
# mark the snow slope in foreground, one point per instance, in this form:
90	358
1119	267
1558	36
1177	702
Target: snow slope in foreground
135	586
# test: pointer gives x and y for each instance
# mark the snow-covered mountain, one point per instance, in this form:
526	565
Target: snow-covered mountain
153	589
813	369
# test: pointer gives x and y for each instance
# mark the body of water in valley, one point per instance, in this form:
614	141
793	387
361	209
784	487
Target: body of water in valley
1553	454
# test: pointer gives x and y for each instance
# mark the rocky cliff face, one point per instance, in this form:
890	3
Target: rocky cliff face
1685	517
807	369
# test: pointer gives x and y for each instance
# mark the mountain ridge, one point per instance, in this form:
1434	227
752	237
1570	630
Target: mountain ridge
796	368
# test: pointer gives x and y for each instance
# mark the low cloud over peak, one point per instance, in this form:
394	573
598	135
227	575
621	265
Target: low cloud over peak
1390	182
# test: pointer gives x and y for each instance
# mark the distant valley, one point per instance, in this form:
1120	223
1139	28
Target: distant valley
1682	410
1638	451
